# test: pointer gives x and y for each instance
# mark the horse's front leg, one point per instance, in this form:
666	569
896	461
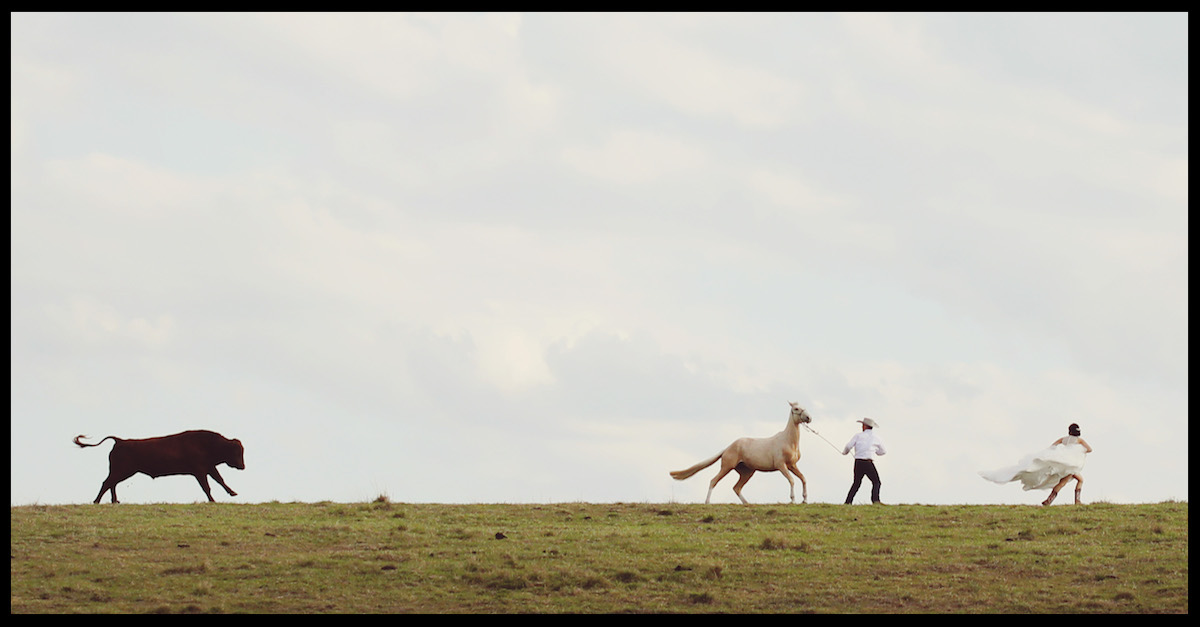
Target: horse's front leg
783	470
803	483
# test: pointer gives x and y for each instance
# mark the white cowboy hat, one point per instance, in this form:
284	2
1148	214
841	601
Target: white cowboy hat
868	422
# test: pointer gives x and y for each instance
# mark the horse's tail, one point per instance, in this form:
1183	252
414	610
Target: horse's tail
83	444
684	474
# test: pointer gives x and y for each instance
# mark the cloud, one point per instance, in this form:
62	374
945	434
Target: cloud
375	247
96	323
636	157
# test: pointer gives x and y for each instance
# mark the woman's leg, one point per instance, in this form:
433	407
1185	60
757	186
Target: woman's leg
1055	489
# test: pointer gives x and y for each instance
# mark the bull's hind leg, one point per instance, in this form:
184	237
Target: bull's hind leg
110	484
745	473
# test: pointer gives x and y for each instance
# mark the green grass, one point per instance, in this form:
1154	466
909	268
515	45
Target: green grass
578	557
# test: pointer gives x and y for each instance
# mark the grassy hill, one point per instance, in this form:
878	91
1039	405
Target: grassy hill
385	557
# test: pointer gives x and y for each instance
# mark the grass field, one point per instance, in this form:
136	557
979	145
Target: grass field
385	557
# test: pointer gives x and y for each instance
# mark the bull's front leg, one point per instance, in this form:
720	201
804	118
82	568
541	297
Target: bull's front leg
216	475
202	479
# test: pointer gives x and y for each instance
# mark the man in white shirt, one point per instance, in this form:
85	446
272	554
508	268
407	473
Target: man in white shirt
866	444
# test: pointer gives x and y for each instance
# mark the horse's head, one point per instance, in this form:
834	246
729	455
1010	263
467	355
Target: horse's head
799	415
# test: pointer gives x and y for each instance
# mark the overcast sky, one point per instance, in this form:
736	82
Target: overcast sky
551	257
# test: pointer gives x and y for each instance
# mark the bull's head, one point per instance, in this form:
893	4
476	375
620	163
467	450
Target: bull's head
236	455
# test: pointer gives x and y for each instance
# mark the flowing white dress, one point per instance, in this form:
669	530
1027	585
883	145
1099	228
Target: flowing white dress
1043	469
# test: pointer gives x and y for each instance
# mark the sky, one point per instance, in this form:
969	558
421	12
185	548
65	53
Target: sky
536	258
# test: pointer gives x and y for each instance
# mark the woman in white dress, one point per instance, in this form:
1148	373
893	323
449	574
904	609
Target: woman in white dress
1050	468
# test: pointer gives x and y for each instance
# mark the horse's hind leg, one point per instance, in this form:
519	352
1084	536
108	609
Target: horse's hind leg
712	484
745	473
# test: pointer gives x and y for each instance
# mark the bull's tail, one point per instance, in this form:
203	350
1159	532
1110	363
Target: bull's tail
84	444
684	474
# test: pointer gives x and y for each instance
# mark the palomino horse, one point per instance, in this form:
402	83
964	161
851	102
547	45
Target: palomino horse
748	455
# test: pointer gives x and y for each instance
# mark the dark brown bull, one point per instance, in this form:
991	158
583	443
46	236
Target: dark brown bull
195	453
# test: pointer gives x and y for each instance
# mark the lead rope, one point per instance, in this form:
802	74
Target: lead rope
823	438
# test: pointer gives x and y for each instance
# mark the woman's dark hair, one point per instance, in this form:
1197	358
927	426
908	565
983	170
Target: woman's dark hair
1073	429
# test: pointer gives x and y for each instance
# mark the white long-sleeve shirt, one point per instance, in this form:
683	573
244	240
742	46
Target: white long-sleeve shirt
866	445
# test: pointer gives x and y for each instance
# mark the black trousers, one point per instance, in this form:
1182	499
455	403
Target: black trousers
864	468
